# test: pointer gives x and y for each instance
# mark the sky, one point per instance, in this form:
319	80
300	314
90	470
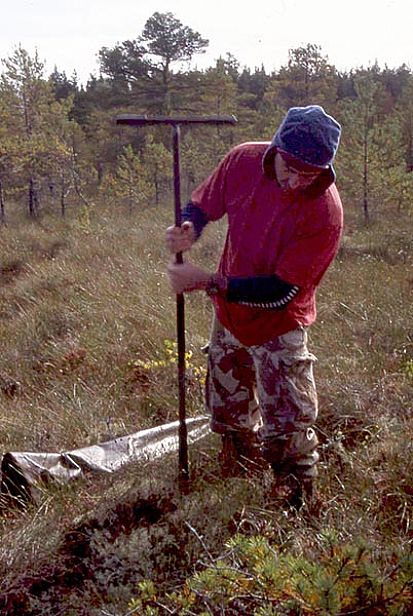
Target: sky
351	33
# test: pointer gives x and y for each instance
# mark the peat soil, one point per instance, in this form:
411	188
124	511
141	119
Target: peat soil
79	561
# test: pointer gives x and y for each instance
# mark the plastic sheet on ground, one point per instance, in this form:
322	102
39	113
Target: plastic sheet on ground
23	474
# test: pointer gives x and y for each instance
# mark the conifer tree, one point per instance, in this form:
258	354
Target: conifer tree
219	90
307	79
371	169
405	113
143	68
158	165
358	152
130	181
33	120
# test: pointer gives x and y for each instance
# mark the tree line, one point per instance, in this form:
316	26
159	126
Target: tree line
58	139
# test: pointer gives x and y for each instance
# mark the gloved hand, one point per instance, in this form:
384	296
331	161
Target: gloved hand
180	239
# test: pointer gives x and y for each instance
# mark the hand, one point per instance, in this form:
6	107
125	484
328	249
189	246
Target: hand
180	239
186	277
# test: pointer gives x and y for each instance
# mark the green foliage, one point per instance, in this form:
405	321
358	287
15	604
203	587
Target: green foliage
130	182
219	90
166	37
195	161
157	161
54	134
103	146
201	151
307	78
124	63
370	164
36	129
258	579
143	66
404	110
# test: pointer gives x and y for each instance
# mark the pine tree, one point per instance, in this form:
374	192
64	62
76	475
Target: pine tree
140	71
307	79
358	150
33	122
371	170
158	165
405	113
130	182
168	41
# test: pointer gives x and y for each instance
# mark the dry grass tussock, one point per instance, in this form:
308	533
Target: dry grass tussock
87	328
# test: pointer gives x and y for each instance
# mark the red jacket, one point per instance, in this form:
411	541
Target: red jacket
269	232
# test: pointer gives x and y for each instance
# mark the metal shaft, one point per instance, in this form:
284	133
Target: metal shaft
180	320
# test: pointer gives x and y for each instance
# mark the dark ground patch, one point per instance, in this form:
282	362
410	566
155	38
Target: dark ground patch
78	560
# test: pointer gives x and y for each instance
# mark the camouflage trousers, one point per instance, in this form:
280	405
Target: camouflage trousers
270	389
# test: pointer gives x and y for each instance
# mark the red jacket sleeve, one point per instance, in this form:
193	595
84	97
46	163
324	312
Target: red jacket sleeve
210	194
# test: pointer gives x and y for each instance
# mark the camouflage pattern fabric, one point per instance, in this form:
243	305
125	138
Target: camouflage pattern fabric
269	388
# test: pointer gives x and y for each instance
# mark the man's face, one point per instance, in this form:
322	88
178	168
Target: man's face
290	178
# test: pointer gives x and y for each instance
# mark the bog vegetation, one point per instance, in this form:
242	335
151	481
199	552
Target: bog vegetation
87	329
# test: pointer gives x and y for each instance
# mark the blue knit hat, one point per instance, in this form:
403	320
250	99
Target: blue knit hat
309	134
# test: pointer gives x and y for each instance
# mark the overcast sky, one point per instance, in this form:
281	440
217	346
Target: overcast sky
351	33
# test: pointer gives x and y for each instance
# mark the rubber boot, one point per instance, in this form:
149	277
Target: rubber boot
228	457
293	491
240	454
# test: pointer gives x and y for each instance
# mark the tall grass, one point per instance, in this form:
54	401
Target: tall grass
86	331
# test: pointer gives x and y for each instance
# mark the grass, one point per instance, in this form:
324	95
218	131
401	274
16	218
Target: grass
87	329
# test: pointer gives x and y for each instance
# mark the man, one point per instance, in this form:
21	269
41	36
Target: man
284	226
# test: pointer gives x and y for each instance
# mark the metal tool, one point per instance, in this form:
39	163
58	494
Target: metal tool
176	123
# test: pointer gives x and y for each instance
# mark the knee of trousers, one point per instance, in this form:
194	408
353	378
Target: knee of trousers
297	450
